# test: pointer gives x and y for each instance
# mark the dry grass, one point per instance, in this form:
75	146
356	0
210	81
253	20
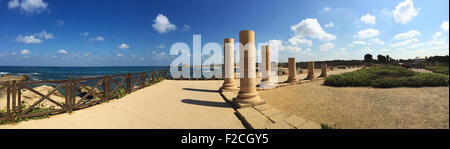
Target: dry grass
363	107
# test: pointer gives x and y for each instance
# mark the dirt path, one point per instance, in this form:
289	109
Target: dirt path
361	107
169	104
421	70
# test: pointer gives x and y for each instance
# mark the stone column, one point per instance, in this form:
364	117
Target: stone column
228	82
247	95
310	71
292	71
324	70
266	82
265	52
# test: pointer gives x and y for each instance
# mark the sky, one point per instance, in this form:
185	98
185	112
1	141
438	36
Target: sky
140	33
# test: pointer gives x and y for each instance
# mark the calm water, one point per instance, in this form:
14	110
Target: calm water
61	73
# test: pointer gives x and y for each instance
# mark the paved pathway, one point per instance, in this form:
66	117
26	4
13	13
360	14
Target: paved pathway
169	104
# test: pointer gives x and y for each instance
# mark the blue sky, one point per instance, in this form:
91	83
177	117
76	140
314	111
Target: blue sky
140	33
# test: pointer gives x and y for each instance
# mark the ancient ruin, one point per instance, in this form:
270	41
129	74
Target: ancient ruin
292	71
228	83
247	95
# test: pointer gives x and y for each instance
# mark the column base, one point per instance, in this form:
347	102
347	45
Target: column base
292	80
239	102
323	75
310	77
267	85
228	88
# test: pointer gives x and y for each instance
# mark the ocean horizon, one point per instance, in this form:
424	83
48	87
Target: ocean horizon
41	73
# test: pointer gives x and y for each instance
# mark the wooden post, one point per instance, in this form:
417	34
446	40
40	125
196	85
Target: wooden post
106	87
14	96
67	96
129	83
8	100
142	79
19	100
165	73
72	94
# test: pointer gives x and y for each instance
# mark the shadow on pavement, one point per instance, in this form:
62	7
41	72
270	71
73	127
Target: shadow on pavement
206	103
200	90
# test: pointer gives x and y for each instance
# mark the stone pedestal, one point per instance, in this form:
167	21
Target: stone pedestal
310	71
292	71
324	70
266	82
228	83
247	96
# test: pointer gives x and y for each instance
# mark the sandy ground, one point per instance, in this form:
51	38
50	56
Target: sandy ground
421	70
169	104
362	107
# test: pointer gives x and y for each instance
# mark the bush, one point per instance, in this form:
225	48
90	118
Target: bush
438	69
119	93
386	77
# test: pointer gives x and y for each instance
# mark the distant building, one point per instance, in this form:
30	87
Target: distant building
419	59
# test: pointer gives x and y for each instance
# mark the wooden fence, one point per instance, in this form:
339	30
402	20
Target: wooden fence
110	86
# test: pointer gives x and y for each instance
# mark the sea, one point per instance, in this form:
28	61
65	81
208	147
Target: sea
41	73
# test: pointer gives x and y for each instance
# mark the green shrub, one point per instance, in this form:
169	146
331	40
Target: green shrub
119	93
438	69
386	77
426	79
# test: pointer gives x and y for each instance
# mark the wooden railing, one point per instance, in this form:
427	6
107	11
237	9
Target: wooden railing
110	86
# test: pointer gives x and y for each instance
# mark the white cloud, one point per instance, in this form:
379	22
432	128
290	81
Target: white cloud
281	47
162	24
123	46
28	39
416	45
28	6
407	35
160	55
62	51
368	19
186	27
291	48
119	55
368	33
35	38
326	9
44	35
444	26
331	24
309	27
342	51
299	40
25	52
98	38
326	46
438	39
378	41
84	34
13	4
141	58
404	12
359	43
406	42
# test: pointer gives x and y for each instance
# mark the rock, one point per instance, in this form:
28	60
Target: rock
83	92
13	77
29	97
